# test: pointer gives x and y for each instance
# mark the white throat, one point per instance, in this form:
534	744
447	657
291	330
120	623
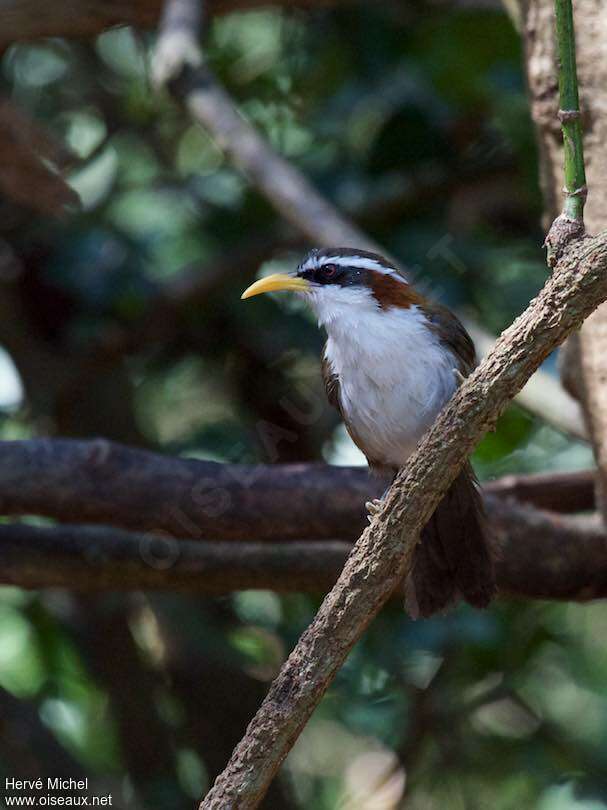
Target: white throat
338	308
394	373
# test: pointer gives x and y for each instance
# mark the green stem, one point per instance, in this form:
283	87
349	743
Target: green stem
569	114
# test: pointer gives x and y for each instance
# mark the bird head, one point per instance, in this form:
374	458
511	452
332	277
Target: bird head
343	281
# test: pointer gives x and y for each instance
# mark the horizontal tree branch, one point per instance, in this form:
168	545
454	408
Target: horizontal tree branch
543	556
555	492
97	558
102	482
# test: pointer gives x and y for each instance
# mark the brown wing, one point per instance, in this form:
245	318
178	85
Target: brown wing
331	381
453	335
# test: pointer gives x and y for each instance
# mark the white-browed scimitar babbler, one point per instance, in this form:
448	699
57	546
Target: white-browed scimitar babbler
391	361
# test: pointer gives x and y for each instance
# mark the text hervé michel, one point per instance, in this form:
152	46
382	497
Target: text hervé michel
51	783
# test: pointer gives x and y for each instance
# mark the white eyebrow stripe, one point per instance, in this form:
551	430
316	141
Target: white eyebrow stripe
357	261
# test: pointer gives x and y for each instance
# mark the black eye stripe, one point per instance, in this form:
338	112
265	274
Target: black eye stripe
337	274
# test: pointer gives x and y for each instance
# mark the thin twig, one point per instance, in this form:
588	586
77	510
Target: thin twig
177	44
285	187
570	223
569	114
178	64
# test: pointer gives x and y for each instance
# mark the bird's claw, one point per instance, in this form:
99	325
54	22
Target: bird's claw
373	508
459	376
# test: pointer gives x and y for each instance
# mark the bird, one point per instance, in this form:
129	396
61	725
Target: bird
391	361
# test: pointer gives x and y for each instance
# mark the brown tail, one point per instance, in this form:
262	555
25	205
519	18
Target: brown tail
455	558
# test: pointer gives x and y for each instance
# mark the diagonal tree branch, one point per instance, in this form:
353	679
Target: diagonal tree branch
285	187
383	554
543	394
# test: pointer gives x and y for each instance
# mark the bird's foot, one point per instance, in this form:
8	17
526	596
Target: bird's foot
459	376
373	508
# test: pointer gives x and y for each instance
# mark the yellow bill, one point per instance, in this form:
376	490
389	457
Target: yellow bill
275	282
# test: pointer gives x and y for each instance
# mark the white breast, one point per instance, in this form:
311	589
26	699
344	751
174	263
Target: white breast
394	374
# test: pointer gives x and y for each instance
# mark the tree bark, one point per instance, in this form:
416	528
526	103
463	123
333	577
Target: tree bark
102	482
543	556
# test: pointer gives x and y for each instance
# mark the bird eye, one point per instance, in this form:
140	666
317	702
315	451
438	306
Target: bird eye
328	271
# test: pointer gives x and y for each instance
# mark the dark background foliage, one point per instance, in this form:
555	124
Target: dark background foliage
124	320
